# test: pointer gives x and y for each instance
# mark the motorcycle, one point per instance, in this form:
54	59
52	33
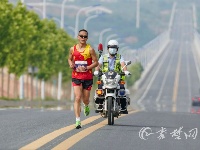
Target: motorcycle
110	94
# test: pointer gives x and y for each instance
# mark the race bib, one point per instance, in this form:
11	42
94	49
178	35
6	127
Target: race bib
80	64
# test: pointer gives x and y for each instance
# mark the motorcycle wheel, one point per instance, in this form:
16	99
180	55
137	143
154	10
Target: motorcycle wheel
110	111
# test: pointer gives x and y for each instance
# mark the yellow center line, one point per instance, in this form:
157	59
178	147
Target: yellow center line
77	137
47	138
176	83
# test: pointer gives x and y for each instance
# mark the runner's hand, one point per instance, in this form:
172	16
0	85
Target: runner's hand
81	69
71	65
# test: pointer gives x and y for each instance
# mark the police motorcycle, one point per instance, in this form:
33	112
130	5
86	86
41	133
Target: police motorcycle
110	94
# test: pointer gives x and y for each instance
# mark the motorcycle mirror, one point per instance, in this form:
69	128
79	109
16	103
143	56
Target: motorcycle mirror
127	63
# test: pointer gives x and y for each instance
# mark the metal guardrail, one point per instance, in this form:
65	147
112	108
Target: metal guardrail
150	52
197	40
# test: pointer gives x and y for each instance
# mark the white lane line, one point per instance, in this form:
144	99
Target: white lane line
176	81
165	78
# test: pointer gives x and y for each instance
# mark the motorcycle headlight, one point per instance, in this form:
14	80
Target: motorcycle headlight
121	92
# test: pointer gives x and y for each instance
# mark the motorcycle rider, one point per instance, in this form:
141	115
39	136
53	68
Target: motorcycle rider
112	61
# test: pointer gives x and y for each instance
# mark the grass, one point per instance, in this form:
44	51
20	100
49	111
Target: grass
9	99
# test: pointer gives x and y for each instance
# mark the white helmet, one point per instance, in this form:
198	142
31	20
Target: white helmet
113	44
112	47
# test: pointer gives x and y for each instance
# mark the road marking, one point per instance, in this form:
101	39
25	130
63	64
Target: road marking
165	78
77	137
47	138
175	90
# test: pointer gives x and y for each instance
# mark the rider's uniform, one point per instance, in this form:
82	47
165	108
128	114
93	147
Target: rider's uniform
109	63
82	59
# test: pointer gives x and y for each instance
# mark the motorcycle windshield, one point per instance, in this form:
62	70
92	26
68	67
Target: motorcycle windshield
111	74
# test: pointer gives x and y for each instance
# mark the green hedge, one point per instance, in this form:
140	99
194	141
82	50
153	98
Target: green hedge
136	70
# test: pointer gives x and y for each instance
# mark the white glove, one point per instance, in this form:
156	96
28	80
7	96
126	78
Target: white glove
96	73
127	73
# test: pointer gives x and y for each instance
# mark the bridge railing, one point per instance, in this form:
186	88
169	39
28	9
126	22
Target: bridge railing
197	42
150	52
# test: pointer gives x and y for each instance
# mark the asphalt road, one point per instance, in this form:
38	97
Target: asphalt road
159	117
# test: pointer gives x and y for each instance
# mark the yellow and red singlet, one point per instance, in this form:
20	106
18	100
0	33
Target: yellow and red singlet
84	59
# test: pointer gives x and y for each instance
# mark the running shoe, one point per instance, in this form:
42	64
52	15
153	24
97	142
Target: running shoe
86	110
78	124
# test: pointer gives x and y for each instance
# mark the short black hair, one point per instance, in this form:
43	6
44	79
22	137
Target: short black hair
83	30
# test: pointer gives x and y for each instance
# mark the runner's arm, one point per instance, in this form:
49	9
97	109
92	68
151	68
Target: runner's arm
70	58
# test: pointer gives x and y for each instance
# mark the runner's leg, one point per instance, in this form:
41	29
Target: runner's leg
86	96
87	85
77	101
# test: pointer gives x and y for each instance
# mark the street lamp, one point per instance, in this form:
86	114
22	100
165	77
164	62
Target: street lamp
62	13
39	10
71	28
22	76
101	34
21	79
44	16
138	14
44	9
89	18
43	12
59	22
77	17
62	27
